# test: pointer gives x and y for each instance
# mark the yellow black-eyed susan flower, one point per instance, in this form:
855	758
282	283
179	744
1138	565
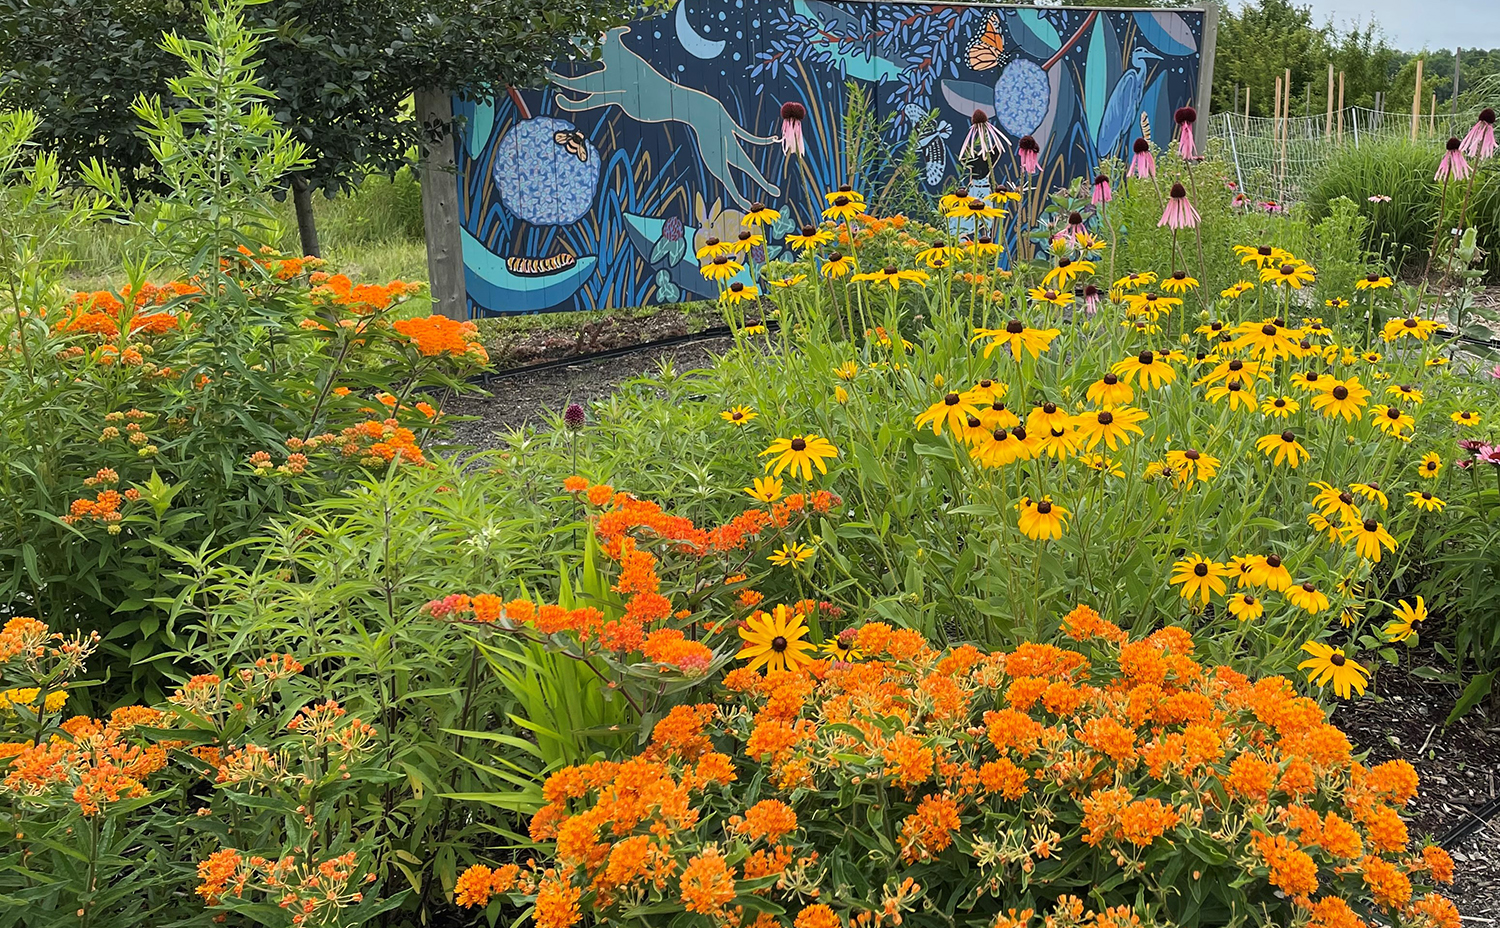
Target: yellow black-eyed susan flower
1238	395
1307	597
1329	665
1282	448
1292	274
1369	537
1111	426
1246	607
1109	390
1179	282
1346	398
1042	518
738	415
1197	576
1423	499
800	452
1279	407
837	265
1373	282
953	410
808	238
1430	466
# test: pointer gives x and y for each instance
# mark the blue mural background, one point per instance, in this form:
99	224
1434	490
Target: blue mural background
595	191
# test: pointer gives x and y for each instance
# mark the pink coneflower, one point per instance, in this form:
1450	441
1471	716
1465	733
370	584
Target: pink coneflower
1241	200
1075	224
983	141
1179	213
1142	163
1495	372
1031	154
1471	445
792	140
1489	454
1271	206
1480	142
1091	297
1453	166
1102	193
1379	198
1186	117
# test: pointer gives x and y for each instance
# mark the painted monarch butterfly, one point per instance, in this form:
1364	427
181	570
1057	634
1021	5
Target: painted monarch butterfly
573	142
987	49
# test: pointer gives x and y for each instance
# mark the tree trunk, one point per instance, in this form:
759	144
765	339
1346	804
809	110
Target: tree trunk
307	229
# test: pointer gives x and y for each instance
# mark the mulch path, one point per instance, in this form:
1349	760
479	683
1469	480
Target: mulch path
510	402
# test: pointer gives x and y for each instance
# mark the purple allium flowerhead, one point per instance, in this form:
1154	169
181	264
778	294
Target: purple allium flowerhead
573	417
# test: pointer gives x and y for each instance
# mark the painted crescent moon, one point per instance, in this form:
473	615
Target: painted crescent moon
696	45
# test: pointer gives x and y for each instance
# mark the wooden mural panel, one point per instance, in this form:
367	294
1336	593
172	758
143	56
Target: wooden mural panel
595	191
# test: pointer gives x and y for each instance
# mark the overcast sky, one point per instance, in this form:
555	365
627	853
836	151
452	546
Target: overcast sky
1411	24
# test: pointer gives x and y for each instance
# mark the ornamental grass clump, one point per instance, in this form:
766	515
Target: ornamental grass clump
1104	780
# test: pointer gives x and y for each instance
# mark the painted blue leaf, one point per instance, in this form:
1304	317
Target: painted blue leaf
1034	35
1097	73
966	96
1168	32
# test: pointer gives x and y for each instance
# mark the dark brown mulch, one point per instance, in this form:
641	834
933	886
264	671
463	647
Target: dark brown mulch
1402	716
576	338
527	399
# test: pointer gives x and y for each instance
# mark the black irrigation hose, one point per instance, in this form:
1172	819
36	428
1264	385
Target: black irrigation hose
1477	819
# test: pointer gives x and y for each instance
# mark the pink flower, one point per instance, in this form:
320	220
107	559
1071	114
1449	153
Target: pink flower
1241	200
1495	372
1031	154
1380	198
1453	166
792	140
1091	295
1489	454
1102	193
983	141
1075	224
1179	213
1271	206
1480	142
1185	117
1142	163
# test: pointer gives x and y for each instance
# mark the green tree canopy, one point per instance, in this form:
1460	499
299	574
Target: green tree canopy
342	71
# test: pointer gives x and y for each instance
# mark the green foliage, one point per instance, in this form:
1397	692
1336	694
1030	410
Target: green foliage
341	71
133	417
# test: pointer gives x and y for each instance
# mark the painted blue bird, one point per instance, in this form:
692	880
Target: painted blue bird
1124	104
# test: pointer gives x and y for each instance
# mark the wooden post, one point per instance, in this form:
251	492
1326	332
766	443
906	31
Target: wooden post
1457	53
1341	107
445	259
1328	121
1276	113
1416	101
1204	98
1286	107
1247	101
1432	116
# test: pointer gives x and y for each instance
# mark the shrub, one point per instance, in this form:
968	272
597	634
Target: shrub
154	419
255	781
906	785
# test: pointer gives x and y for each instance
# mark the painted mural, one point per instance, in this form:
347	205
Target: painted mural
597	190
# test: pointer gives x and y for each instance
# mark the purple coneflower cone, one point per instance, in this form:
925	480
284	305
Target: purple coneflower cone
573	417
1031	154
1091	296
792	140
1185	117
1142	162
1480	142
1453	166
1471	445
1102	193
1075	224
1179	213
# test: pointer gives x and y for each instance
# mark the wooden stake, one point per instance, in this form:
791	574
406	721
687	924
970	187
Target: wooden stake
1247	101
1276	113
1416	101
1432	116
1328	122
1341	107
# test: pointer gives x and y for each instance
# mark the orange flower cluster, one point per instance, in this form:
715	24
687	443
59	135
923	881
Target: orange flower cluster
94	765
969	758
627	516
310	890
99	312
439	336
377	443
338	292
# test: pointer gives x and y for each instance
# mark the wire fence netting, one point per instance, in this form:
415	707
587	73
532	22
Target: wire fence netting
1274	158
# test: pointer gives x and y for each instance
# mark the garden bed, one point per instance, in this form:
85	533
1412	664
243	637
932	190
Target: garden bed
1402	716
